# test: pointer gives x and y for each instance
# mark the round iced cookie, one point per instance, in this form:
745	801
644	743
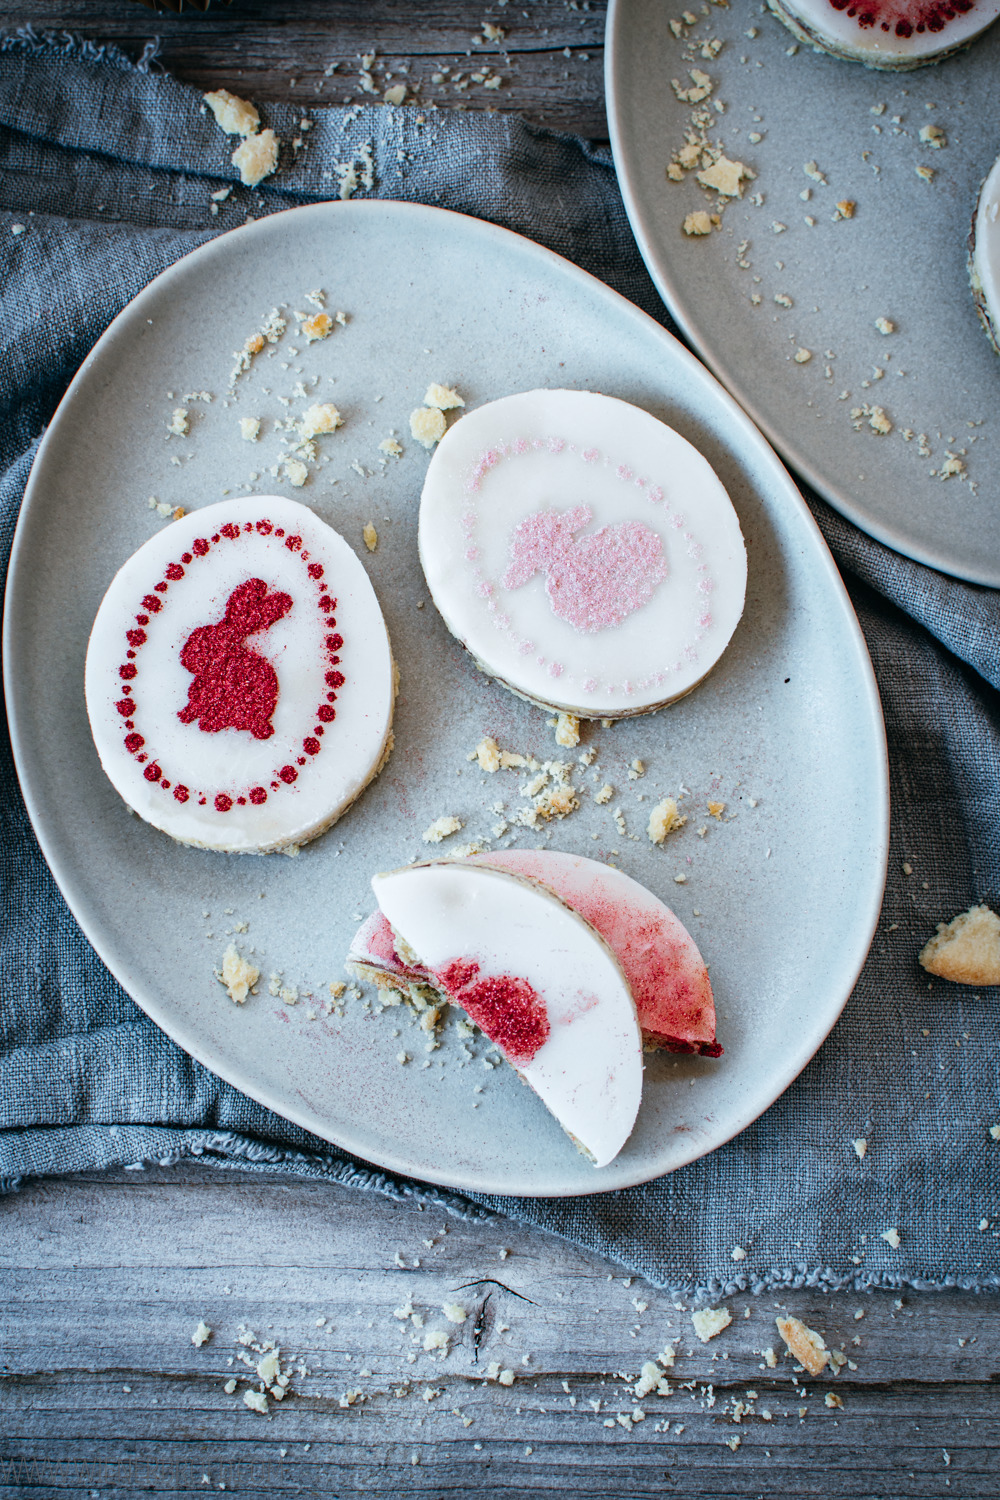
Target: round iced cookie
538	980
584	553
658	956
890	34
984	256
239	678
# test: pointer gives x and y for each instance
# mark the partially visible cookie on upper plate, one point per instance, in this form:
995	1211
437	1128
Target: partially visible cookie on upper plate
984	256
890	34
585	553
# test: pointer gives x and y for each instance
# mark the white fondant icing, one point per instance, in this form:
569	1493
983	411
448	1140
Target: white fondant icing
219	714
588	1071
986	252
880	44
584	552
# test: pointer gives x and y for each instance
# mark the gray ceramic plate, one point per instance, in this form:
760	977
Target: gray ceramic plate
782	897
900	257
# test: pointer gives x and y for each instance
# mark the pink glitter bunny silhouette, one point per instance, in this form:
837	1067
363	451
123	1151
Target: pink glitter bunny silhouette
596	581
233	687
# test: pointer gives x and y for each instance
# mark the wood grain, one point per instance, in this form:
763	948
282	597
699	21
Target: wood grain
107	1277
310	52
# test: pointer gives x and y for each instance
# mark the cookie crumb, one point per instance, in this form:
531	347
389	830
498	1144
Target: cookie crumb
965	950
257	157
664	819
726	177
371	541
249	429
699	222
295	472
234	115
807	1346
442	397
441	828
322	417
427	425
317	327
709	1322
567	728
238	975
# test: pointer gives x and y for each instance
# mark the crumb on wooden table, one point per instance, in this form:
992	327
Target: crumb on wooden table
807	1346
709	1322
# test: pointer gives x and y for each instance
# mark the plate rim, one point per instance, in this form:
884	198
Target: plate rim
78	903
658	268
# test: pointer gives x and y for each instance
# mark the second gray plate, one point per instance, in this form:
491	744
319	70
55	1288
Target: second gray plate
769	283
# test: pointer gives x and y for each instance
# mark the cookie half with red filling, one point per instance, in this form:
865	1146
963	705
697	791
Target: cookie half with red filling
531	973
658	956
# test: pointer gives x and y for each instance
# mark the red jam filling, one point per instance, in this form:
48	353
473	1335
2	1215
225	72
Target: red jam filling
903	18
506	1008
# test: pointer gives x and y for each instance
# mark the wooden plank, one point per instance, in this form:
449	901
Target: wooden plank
106	1279
310	54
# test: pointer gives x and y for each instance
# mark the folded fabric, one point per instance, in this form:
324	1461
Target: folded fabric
107	171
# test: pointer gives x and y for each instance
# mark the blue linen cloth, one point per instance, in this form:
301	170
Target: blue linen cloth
110	167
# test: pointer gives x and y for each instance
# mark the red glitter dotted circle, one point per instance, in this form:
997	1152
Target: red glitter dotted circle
136	638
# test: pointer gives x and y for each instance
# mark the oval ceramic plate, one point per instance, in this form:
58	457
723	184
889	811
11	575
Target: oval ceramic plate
781	892
784	300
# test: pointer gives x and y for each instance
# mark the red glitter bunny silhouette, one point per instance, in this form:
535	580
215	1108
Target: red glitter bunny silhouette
233	687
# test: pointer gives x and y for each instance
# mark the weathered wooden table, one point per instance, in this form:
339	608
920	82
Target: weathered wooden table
106	1277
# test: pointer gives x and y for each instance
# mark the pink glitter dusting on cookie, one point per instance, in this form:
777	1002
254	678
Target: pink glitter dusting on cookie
593	582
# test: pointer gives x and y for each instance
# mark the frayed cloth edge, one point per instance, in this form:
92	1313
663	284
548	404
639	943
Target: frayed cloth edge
82	49
228	1151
